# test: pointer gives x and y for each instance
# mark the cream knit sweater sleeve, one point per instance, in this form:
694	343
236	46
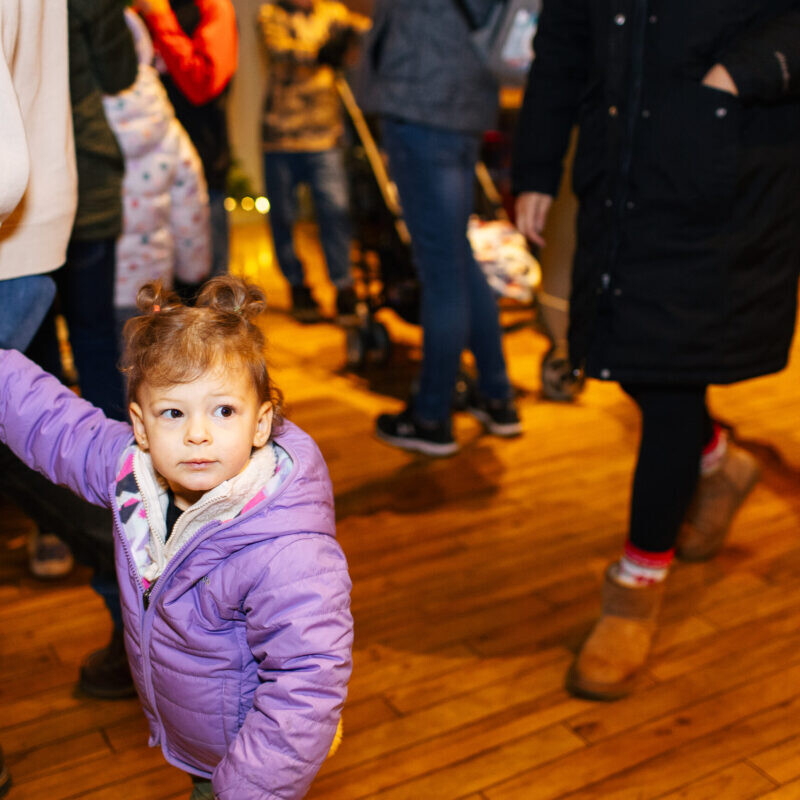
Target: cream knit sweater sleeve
38	180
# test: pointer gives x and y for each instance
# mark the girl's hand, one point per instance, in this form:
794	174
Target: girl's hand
151	6
719	78
532	209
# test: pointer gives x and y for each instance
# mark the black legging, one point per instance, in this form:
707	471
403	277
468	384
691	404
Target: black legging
676	427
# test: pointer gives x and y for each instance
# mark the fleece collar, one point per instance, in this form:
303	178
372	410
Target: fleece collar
143	499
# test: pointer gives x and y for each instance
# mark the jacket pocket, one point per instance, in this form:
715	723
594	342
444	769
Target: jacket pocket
693	153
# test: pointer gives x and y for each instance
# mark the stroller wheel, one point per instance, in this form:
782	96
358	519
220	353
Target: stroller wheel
356	347
559	381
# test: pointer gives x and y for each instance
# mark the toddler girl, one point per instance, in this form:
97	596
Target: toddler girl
235	593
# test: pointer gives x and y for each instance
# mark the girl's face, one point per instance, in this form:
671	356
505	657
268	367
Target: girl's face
200	434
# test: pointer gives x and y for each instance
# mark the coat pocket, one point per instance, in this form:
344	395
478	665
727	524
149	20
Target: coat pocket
693	153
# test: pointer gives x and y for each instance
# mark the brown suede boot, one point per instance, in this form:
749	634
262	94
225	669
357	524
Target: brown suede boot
716	500
617	648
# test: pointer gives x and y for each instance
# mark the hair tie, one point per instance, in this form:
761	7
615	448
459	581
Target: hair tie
156	308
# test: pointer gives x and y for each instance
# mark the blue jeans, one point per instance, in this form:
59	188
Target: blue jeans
86	292
325	174
25	302
434	170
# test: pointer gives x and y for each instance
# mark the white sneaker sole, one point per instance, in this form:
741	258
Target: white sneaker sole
419	445
506	430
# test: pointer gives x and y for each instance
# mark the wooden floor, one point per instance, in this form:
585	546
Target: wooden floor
475	579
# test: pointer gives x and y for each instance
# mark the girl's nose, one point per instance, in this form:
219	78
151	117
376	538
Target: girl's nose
197	431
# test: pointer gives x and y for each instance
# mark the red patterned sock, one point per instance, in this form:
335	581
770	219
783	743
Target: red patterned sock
714	451
641	567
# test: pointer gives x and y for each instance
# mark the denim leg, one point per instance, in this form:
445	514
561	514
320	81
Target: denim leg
328	181
485	334
434	173
86	286
280	182
25	302
220	244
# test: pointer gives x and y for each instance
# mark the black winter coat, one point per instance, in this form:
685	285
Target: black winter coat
688	250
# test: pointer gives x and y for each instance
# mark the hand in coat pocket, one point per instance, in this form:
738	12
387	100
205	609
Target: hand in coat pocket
719	78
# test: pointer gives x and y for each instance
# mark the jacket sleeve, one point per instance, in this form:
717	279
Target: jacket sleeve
765	63
55	432
300	632
558	77
111	47
189	215
14	158
202	65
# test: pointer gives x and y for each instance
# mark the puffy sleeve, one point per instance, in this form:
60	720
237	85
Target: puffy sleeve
57	433
203	64
300	632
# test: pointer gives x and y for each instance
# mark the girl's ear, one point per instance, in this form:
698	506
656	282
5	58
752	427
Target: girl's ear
263	424
137	420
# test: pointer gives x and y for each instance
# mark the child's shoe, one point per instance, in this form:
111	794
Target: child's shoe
499	417
618	646
105	674
48	556
403	430
304	307
718	497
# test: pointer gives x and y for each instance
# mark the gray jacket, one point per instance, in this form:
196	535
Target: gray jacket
419	65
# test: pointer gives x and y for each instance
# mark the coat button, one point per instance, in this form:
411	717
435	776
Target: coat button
605	374
613	111
609	202
619	19
630	205
653	19
617	292
721	112
646	113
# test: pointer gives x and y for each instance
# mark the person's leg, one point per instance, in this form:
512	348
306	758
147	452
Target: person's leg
328	182
86	285
202	789
220	235
280	182
433	172
675	428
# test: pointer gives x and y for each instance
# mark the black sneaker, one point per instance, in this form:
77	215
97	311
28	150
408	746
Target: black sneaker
404	431
304	307
346	306
105	673
499	417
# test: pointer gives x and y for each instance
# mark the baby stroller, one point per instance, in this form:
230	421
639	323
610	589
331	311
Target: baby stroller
385	268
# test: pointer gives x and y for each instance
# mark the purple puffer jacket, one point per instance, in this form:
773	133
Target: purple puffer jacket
243	654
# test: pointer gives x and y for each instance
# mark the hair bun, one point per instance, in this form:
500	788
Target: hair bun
234	296
153	298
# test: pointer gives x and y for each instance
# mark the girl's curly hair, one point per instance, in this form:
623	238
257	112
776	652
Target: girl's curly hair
174	343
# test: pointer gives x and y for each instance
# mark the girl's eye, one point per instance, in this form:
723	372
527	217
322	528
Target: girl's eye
224	411
172	413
